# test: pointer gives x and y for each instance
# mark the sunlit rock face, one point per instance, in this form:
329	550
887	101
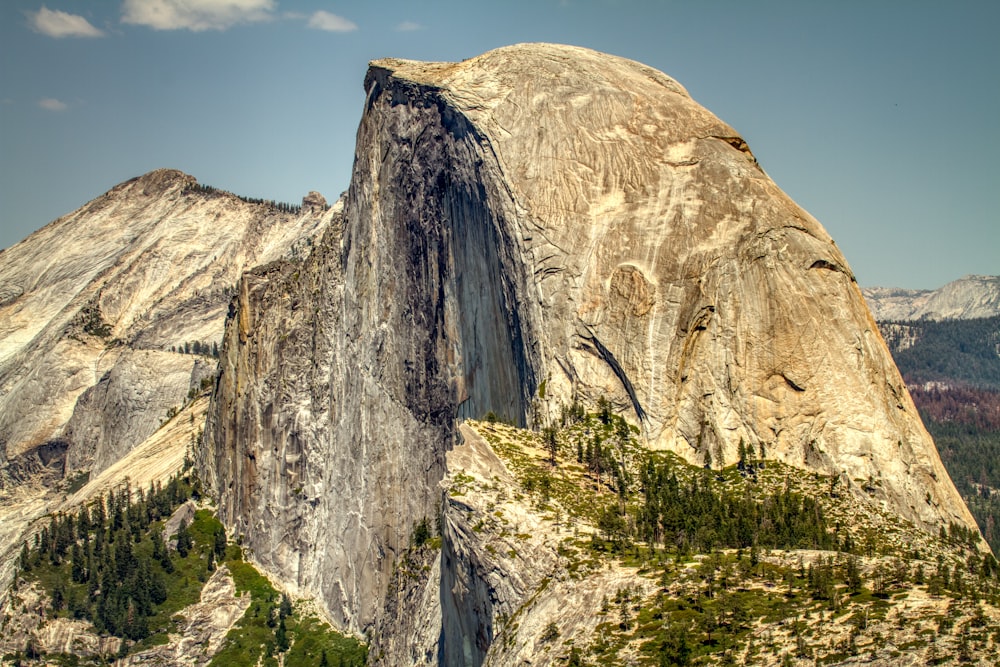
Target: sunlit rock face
538	225
91	305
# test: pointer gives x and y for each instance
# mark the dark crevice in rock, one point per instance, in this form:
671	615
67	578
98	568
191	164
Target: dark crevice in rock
829	266
616	367
792	384
739	144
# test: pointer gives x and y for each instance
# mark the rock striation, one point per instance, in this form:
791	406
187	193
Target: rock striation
966	298
538	226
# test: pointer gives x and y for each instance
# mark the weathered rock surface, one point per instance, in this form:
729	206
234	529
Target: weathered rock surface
966	298
314	202
202	628
323	450
91	304
504	580
667	271
408	630
25	621
155	460
538	225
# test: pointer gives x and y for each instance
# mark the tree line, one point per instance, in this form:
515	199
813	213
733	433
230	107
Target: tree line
954	351
197	347
282	207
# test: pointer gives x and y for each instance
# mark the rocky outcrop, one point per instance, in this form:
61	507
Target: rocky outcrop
323	446
532	227
26	626
128	403
202	626
512	590
667	271
408	629
314	202
90	307
966	298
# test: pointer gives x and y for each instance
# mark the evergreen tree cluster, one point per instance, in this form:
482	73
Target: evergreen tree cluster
978	408
694	513
965	424
197	347
695	517
93	322
109	562
603	448
282	207
719	614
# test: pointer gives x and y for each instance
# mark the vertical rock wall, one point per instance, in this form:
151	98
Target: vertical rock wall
342	376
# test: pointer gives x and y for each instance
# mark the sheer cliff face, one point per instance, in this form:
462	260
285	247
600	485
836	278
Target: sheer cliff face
342	376
542	214
91	304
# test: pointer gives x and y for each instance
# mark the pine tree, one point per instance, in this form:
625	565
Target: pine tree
79	570
24	561
220	542
852	575
184	541
551	444
281	636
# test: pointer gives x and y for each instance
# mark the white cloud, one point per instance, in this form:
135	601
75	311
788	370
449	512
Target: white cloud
52	104
322	20
195	15
408	26
55	23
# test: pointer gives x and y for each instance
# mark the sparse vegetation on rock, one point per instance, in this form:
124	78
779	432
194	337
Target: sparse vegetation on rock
757	563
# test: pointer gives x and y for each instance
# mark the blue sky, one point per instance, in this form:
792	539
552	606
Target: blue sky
879	118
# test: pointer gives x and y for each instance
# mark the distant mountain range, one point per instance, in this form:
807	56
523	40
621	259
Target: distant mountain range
966	298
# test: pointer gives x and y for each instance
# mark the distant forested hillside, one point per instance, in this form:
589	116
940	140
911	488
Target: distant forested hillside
961	352
961	405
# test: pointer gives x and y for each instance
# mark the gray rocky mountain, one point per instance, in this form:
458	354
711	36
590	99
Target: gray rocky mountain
966	298
95	300
93	304
538	226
